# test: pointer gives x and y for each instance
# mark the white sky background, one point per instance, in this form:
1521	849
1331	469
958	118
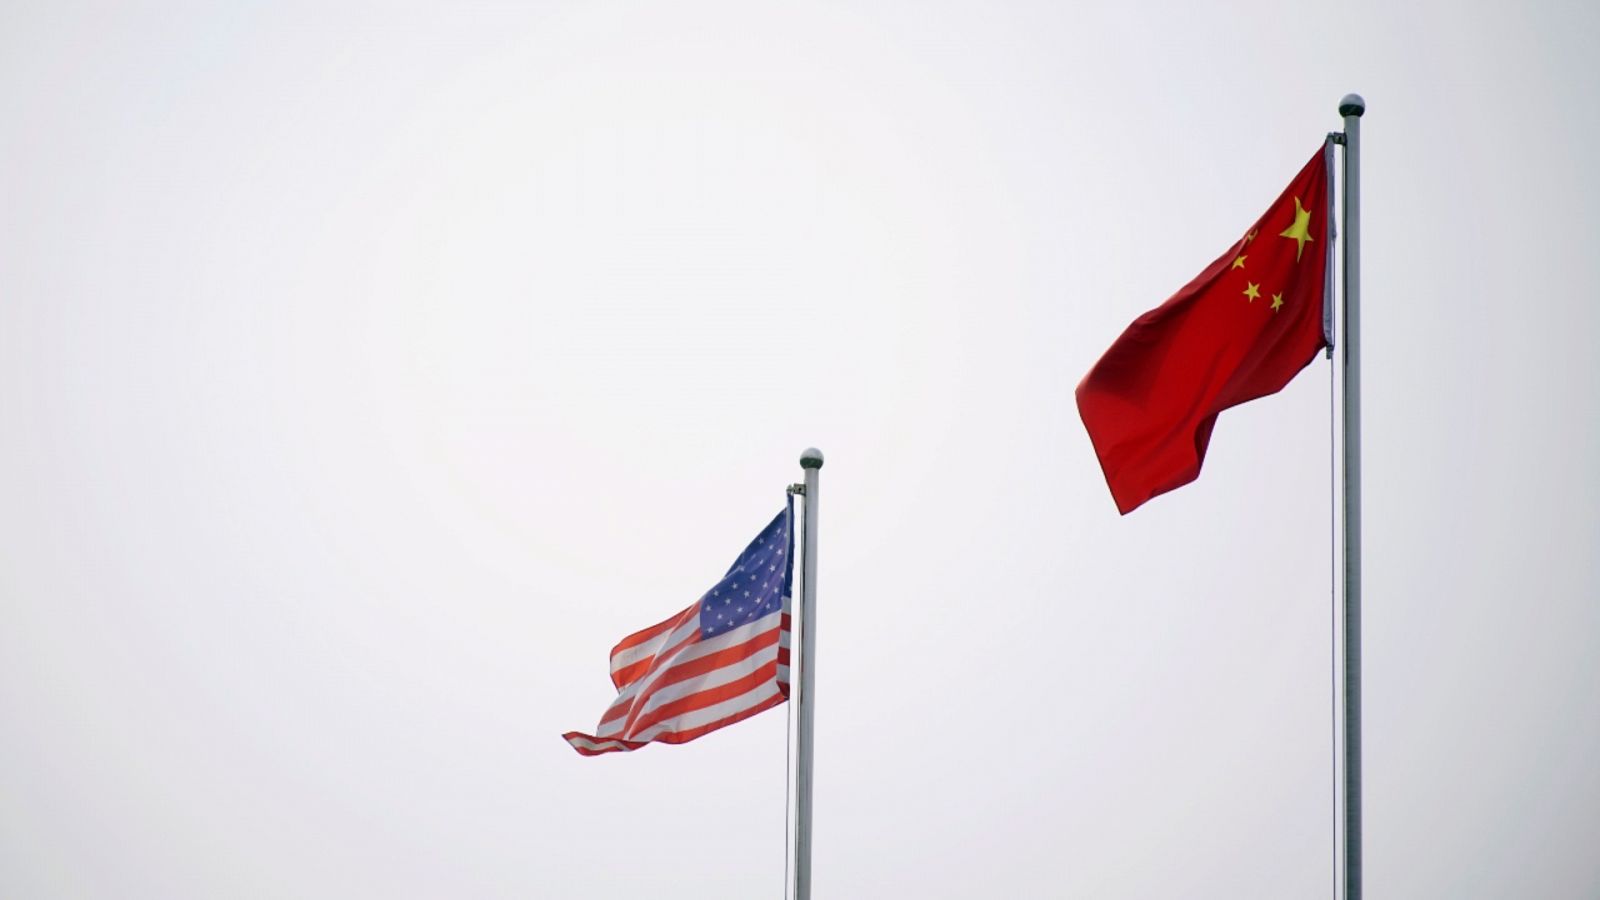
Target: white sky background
368	371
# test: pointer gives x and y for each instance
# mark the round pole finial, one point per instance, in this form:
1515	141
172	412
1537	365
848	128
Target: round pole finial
1352	105
811	459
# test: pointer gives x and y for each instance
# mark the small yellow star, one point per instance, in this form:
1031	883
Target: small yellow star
1300	231
1251	236
1239	263
1251	291
1277	302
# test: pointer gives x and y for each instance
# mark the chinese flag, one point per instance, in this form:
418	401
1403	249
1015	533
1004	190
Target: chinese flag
1241	330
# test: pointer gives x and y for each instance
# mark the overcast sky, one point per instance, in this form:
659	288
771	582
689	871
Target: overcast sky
368	370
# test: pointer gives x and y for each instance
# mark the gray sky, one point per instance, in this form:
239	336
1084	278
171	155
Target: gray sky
368	370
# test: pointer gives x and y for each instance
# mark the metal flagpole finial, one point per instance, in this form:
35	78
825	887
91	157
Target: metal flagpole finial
811	459
1352	105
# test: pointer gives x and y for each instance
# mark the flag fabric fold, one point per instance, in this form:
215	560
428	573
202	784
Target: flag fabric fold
720	661
1239	331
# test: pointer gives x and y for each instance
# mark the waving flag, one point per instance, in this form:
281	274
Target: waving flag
1240	330
718	662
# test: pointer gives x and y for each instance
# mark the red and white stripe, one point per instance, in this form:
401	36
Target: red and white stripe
674	685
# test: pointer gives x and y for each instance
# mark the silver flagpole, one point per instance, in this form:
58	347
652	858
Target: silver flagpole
1351	107
805	700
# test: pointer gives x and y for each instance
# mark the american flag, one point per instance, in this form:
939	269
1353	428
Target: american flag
720	661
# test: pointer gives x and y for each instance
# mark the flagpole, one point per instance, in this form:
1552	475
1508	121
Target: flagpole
1351	107
805	701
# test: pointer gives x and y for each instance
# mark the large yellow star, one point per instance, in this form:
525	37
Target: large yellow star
1251	291
1300	231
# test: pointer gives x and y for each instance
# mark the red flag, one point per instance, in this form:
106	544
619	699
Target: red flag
1241	330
